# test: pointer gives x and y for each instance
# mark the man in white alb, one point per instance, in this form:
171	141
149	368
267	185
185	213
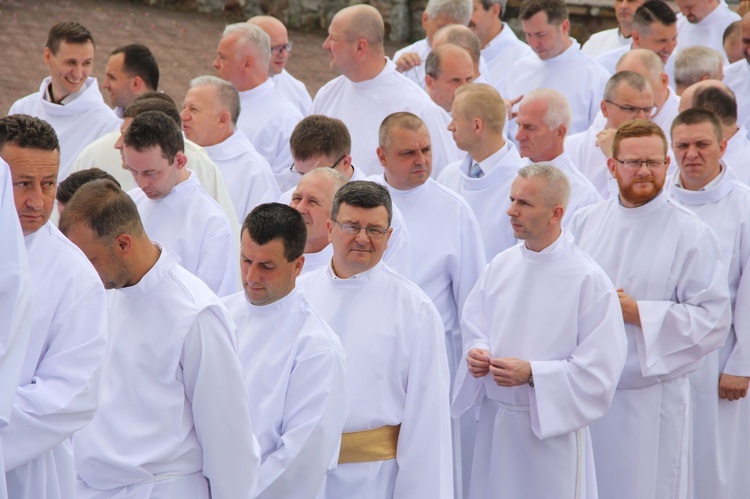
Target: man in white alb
173	419
209	118
69	99
131	71
397	437
737	75
704	185
672	284
609	39
294	364
58	391
174	208
539	377
702	22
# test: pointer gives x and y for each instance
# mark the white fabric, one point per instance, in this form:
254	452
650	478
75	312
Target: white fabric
363	106
737	77
173	413
721	436
294	90
604	41
59	387
488	196
666	115
573	74
190	223
247	174
737	155
533	442
416	74
397	374
610	59
77	124
102	154
268	118
669	261
501	52
295	370
452	152
707	33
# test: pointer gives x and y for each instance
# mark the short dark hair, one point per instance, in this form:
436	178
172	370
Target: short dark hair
720	101
270	221
140	106
696	116
732	29
362	194
320	135
139	61
68	32
556	10
652	12
22	130
103	207
154	128
75	180
486	4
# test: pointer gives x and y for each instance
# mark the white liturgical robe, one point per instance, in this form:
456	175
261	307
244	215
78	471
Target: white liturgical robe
610	59
583	152
416	74
737	155
709	32
669	261
247	174
363	106
397	374
501	52
295	370
294	90
533	441
721	436
173	414
488	196
605	41
268	118
193	225
737	77
59	387
77	123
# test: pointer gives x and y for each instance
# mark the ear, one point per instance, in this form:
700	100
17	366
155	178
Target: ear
345	164
478	125
123	244
180	160
612	165
565	26
329	226
562	131
381	156
298	264
603	107
47	55
225	118
636	39
558	212
722	147
496	10
138	85
429	81
361	46
425	18
664	79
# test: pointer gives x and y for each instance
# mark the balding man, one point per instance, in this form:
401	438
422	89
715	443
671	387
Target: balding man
500	45
267	117
610	39
410	60
703	22
737	75
626	96
369	88
695	64
281	47
483	178
732	42
460	35
209	118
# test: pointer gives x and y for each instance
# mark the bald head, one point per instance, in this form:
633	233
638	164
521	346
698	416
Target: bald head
447	68
484	102
362	21
462	36
716	97
648	64
279	36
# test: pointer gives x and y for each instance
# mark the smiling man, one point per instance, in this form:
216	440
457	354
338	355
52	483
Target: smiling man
69	99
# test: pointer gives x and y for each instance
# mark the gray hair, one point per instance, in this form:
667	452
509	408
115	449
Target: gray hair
225	92
557	191
457	10
629	78
694	63
338	178
558	109
253	37
650	60
486	4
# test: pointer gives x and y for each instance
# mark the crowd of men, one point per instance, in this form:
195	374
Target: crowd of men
485	268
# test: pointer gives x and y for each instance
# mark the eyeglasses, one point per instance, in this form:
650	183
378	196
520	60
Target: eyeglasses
294	170
276	49
353	230
636	164
632	110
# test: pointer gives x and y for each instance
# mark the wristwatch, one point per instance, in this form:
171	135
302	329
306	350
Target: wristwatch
531	380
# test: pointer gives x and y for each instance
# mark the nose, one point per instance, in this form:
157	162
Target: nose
511	212
118	142
34	199
215	64
641	114
252	274
362	237
185	115
452	126
327	43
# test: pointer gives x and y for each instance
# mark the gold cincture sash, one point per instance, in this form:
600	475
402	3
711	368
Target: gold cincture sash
378	444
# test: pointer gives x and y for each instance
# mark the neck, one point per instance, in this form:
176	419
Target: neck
368	69
691	185
252	81
220	136
496	29
146	255
183	175
57	94
549	154
488	146
626	31
545	241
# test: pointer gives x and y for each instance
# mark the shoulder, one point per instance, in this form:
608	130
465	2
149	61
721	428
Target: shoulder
445	195
329	87
73	265
25	105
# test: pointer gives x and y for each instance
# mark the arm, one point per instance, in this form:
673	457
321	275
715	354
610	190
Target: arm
407	61
218	266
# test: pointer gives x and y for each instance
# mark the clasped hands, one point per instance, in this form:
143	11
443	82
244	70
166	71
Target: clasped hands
506	371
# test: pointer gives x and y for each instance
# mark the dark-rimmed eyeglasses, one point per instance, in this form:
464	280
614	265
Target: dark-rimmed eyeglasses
633	110
636	164
276	49
353	230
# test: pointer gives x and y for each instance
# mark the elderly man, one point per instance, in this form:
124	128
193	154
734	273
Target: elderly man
543	121
666	264
175	210
69	99
209	118
281	47
483	178
410	60
695	64
157	432
610	39
737	75
296	376
500	45
58	391
131	71
626	96
721	437
558	63
268	116
397	437
537	391
369	88
703	22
